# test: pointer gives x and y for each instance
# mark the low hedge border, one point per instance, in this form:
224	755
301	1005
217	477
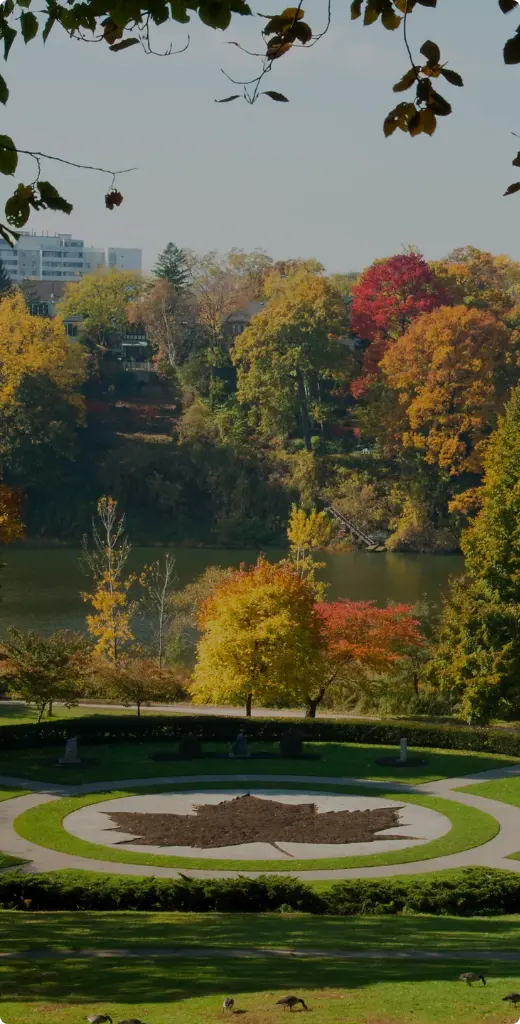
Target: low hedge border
213	728
471	892
43	825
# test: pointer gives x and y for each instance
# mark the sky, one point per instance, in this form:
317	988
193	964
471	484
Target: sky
314	177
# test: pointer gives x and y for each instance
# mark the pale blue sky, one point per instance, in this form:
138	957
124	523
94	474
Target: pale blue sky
315	177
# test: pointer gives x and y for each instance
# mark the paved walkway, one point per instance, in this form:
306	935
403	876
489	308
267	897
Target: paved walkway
227	711
493	854
261	953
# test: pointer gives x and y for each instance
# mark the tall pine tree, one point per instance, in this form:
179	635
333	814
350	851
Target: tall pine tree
173	266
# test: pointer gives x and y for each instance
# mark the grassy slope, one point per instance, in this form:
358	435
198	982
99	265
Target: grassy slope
191	991
124	929
505	790
42	825
132	761
6	860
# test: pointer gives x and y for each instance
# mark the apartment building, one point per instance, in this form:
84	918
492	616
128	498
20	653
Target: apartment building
61	258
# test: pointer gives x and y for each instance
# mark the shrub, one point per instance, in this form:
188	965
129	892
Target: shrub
190	746
471	892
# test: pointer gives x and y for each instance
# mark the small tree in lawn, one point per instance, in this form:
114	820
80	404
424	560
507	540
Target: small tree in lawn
42	669
358	637
158	582
261	638
136	679
110	624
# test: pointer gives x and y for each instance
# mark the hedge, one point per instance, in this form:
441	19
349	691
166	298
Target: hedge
471	892
213	728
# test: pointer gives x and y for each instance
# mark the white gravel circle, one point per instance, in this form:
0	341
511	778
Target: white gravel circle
93	823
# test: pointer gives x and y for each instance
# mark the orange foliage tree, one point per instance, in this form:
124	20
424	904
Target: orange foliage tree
360	637
451	370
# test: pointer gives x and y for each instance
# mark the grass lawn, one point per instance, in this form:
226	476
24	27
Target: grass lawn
24	714
191	991
115	761
505	790
43	825
6	861
124	929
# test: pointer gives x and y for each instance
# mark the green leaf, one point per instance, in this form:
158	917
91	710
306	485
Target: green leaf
507	5
452	77
371	15
9	35
390	20
427	3
8	155
431	52
355	9
29	25
406	81
292	14
48	25
179	12
51	197
18	206
9	236
124	44
228	99
512	188
512	49
303	32
429	121
278	96
516	161
4	91
216	15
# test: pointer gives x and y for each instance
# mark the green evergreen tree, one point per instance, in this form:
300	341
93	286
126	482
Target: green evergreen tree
173	265
476	657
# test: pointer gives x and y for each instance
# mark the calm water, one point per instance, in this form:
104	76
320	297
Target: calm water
41	588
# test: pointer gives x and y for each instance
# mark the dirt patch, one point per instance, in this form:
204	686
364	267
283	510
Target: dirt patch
250	819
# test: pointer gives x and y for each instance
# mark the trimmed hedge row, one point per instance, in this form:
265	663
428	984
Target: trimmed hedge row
472	892
213	728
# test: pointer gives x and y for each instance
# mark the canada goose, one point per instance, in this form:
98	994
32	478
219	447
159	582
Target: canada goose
291	1001
513	997
469	977
228	1004
99	1018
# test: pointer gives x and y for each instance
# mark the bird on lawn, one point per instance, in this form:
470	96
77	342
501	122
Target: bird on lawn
228	1004
99	1018
513	997
291	1002
469	977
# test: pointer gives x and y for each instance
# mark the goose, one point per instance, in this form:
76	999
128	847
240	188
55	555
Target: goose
291	1001
99	1018
469	977
228	1004
513	997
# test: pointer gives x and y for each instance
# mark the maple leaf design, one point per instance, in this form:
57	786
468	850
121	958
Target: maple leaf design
251	819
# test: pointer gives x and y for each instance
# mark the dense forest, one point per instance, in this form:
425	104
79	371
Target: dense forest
377	392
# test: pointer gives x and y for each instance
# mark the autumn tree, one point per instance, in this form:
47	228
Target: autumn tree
184	633
261	639
137	680
110	624
386	298
291	353
451	370
157	582
101	300
480	280
169	317
307	533
174	266
359	637
43	669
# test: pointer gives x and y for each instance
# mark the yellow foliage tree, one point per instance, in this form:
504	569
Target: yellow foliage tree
307	533
261	639
32	345
110	625
11	526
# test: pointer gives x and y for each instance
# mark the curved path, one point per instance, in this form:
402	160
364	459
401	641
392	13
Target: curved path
493	854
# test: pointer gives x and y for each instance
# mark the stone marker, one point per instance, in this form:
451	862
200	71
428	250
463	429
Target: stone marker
403	756
239	748
71	752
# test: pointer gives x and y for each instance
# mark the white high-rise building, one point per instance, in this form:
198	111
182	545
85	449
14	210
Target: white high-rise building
61	258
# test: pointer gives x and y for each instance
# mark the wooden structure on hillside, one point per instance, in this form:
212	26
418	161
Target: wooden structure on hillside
368	542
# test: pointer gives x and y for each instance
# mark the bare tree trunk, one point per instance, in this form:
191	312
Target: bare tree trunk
50	711
138	706
249	700
312	703
304	411
41	709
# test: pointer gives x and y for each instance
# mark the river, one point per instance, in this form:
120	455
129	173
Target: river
41	588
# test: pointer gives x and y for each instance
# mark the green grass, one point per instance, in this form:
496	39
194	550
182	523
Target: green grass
116	761
25	714
163	991
6	861
43	825
505	790
63	931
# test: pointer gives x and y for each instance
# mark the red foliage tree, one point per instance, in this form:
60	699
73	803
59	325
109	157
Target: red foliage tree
357	633
386	298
